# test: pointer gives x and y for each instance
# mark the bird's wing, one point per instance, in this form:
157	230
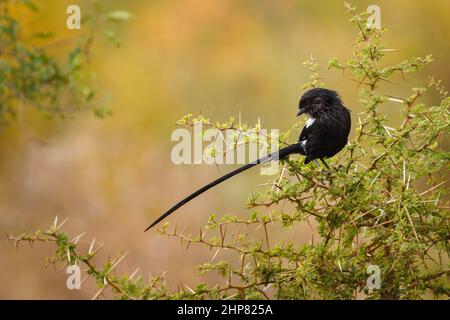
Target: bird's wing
312	138
305	132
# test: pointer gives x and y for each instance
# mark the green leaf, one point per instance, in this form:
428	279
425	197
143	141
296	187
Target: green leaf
119	16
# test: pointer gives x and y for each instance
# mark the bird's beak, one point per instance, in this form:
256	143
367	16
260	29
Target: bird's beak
300	112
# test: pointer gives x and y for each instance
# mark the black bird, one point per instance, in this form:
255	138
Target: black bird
325	134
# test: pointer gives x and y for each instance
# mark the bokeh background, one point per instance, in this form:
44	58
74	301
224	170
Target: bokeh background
112	177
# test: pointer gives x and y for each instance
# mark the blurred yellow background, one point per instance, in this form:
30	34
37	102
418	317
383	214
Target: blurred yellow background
112	177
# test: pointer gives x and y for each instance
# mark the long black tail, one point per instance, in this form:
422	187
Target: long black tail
280	154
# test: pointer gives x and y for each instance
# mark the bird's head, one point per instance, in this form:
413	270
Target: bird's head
316	101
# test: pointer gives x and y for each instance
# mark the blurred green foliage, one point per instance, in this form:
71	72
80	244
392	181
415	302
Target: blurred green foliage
32	76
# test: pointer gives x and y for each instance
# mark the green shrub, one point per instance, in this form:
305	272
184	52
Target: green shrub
31	75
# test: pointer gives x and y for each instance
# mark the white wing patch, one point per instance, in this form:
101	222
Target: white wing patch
310	122
303	145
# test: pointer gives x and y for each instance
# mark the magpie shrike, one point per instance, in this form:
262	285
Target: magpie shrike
325	133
